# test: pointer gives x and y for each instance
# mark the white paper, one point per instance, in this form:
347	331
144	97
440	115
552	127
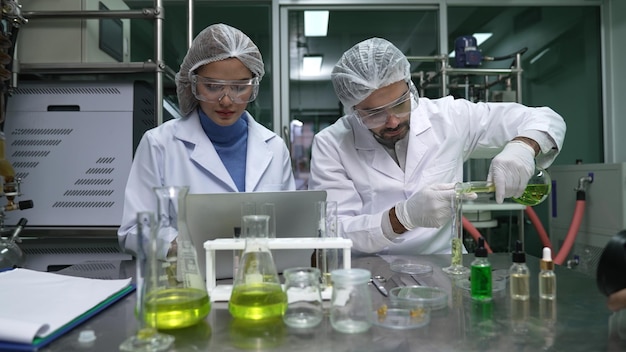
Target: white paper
35	303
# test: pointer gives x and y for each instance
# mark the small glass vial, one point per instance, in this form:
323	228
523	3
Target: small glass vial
351	304
480	274
304	298
547	278
519	275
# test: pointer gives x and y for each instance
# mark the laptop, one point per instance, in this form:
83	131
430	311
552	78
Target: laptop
218	215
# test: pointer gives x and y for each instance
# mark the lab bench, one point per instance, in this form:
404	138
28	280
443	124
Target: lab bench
579	321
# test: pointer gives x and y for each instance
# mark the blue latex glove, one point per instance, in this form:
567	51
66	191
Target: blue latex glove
511	169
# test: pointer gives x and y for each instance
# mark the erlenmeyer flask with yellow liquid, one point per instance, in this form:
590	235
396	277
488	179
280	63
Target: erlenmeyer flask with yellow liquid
180	298
257	293
536	191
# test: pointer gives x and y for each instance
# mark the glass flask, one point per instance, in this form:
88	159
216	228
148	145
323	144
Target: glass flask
327	259
181	298
146	337
304	297
351	304
257	293
536	191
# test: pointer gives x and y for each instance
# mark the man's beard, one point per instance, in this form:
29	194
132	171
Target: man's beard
391	141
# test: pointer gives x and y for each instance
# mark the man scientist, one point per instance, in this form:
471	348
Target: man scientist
392	161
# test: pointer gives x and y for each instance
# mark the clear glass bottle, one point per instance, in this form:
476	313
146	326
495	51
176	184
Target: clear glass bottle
180	299
480	274
257	293
547	278
519	274
351	303
304	307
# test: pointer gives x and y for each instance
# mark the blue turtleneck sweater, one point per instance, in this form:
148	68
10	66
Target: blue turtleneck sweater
231	144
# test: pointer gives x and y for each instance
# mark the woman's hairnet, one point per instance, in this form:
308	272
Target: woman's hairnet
369	65
215	43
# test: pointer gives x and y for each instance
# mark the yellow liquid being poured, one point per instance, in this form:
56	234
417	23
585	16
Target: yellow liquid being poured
175	308
257	301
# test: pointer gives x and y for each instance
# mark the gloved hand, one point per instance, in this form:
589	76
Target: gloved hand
511	169
430	207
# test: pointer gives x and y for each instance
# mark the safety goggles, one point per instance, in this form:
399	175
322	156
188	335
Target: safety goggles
214	90
373	118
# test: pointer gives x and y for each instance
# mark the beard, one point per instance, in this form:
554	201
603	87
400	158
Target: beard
388	136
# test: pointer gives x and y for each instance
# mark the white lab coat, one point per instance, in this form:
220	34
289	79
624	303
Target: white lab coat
179	153
366	182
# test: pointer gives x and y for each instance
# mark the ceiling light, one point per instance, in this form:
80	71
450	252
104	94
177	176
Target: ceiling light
315	23
311	65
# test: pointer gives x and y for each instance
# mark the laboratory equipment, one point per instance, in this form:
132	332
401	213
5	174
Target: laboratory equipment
519	274
181	298
456	267
547	278
146	338
328	258
257	293
433	298
480	274
304	297
11	256
466	52
401	315
351	304
536	191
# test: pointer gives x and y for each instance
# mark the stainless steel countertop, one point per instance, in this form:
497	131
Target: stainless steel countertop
581	324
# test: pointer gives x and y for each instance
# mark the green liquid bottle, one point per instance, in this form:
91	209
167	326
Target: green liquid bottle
480	274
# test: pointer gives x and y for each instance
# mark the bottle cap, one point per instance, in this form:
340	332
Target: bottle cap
518	255
546	259
481	251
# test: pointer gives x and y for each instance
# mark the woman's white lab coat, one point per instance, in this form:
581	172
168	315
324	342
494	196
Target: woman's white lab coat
366	182
179	153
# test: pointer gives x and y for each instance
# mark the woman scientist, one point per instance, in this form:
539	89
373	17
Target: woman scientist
217	146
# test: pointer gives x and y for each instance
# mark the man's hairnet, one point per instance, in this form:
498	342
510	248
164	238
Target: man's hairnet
369	65
215	43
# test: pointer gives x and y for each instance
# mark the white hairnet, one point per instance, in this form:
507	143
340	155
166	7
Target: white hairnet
369	65
215	43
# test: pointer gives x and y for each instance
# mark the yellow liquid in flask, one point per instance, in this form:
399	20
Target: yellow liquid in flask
175	308
257	301
533	194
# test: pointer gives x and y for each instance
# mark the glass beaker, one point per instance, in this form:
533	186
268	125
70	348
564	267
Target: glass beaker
304	298
257	293
536	191
351	305
181	298
146	338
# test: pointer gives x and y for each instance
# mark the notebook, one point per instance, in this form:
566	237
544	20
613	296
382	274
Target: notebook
217	215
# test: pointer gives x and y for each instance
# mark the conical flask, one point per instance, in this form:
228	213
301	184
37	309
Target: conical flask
257	293
181	298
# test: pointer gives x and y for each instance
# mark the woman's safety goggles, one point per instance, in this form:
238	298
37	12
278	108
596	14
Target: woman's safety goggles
214	90
373	118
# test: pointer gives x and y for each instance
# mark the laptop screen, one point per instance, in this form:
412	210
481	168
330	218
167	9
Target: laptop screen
218	215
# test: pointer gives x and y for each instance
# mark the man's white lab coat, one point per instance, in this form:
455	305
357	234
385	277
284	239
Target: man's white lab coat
179	153
361	176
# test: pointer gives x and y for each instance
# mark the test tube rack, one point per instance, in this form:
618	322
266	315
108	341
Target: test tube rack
222	292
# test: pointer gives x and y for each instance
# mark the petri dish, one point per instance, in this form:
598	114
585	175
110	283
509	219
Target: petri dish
432	298
401	315
498	283
411	267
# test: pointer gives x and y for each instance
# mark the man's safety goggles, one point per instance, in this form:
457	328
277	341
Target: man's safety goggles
214	90
373	118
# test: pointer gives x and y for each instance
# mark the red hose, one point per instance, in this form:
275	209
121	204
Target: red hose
472	230
534	219
571	233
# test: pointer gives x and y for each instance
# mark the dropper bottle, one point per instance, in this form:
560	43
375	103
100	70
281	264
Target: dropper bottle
547	278
480	274
519	274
